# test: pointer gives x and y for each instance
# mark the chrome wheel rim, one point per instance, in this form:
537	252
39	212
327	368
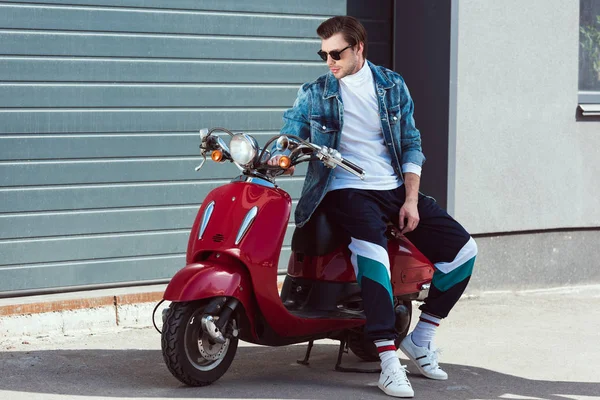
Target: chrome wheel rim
202	353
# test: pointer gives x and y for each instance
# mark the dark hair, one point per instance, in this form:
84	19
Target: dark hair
352	30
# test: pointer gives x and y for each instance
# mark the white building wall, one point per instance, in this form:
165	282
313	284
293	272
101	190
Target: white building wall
522	161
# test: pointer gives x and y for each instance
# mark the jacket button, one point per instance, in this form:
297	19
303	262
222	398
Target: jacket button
395	118
324	127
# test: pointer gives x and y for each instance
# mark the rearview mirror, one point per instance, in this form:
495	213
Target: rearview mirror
282	143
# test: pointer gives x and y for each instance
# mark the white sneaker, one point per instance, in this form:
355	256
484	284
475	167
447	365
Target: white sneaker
425	359
393	382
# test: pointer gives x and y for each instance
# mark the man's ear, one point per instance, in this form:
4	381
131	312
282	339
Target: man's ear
361	49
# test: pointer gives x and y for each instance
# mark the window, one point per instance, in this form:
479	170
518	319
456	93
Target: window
589	53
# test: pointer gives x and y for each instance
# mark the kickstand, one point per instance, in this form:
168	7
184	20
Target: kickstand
344	349
306	357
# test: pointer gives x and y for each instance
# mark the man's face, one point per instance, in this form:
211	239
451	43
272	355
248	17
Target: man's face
351	59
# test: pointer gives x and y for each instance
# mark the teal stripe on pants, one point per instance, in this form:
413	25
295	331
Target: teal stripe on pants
375	271
445	281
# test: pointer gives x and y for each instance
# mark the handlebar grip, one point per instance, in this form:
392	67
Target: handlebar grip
353	166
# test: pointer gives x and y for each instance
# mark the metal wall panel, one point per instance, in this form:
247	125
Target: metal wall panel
78	197
90	120
86	222
93	146
88	44
93	272
86	146
95	246
122	19
100	104
156	70
96	272
296	8
21	95
63	172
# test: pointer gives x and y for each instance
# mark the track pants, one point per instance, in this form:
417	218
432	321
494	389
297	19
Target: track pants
363	215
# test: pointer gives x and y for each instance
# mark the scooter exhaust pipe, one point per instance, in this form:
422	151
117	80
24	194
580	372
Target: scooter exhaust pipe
424	292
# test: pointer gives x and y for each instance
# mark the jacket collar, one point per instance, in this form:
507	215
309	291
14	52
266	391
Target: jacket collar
381	79
332	86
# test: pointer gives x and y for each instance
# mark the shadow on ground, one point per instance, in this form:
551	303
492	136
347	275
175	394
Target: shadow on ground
256	373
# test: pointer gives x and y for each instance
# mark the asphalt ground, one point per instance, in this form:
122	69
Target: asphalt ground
505	345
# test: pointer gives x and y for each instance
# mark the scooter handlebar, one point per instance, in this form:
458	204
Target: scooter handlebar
358	171
332	158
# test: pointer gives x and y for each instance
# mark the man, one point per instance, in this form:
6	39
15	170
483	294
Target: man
366	112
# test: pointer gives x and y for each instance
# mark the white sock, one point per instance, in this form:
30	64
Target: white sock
387	354
424	332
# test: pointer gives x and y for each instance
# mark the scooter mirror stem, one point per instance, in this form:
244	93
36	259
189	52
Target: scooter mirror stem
203	134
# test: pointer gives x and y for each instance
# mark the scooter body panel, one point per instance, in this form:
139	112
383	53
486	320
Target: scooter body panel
215	277
209	279
410	269
258	251
334	266
231	204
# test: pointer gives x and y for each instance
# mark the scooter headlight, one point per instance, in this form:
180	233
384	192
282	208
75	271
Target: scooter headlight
243	149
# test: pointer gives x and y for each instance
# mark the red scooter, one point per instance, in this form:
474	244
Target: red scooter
228	289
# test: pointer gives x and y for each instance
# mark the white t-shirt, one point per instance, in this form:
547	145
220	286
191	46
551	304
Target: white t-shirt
361	140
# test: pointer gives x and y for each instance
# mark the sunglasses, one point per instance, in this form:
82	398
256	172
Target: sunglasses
335	54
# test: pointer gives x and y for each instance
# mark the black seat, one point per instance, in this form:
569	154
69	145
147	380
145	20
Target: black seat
318	236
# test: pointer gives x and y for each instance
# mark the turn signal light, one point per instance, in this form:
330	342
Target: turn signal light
217	155
285	162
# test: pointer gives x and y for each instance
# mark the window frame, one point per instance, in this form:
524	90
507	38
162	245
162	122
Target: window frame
589	100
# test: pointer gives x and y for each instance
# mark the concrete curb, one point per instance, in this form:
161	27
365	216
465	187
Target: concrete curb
79	304
79	312
78	301
82	312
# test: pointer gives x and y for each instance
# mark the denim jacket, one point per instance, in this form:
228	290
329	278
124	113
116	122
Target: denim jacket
318	115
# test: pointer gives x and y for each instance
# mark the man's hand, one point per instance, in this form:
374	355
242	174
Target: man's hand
275	161
409	216
409	213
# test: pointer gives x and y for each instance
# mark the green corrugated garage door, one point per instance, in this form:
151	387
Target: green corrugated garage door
100	104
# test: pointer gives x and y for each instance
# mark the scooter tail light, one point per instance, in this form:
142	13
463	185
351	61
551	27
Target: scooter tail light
248	219
205	218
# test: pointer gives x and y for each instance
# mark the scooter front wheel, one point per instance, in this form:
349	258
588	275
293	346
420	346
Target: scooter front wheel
190	354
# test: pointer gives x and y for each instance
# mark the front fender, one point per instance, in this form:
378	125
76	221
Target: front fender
213	278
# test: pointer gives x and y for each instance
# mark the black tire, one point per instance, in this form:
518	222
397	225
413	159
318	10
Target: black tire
365	349
187	351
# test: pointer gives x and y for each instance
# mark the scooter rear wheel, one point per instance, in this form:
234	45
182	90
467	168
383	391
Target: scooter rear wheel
190	354
366	350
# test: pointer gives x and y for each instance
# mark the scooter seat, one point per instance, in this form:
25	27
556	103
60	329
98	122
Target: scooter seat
318	236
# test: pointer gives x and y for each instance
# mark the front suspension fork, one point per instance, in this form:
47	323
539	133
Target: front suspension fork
216	316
